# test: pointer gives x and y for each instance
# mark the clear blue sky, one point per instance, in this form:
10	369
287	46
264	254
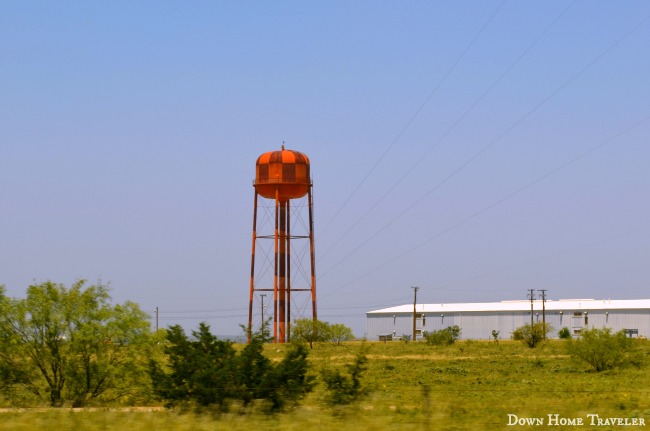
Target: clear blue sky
494	147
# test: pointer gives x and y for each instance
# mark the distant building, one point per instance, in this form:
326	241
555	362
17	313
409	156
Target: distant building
478	320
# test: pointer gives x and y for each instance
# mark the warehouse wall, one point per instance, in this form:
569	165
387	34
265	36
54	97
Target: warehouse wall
478	325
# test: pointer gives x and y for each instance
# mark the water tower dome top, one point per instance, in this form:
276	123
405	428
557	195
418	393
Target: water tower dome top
282	174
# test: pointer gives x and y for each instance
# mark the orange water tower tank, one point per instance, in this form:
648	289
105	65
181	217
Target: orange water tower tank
282	174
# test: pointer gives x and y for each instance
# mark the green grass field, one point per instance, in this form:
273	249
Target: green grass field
413	386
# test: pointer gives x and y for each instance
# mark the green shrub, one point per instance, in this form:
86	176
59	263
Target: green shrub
564	333
443	337
204	372
604	350
531	335
346	388
201	369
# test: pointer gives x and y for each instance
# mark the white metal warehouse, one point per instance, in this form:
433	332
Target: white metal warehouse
478	320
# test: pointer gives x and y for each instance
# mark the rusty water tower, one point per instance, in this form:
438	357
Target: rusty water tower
280	177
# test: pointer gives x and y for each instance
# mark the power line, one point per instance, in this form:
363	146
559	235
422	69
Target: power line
486	147
414	116
537	259
217	310
226	316
496	203
451	128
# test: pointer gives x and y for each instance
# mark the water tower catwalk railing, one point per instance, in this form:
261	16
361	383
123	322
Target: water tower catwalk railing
282	176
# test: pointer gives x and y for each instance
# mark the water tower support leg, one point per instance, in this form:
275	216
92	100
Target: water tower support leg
275	273
282	272
288	330
312	253
252	281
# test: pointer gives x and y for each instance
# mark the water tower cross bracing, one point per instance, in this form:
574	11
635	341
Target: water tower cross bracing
280	178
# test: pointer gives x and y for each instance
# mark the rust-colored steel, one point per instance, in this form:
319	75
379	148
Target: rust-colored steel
312	254
284	172
252	282
281	176
288	305
282	270
275	271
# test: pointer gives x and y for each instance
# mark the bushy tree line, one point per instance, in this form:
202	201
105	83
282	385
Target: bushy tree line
203	371
71	346
311	331
61	345
601	349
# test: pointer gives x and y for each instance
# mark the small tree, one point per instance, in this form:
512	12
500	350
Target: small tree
532	335
310	331
604	350
564	333
495	335
201	368
443	337
339	332
70	344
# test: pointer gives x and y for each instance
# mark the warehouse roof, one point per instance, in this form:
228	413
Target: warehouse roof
522	305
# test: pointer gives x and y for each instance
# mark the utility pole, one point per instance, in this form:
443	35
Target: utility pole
544	309
415	301
262	297
156	311
531	295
